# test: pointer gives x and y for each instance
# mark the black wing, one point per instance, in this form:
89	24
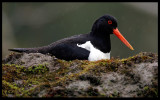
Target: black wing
69	52
66	48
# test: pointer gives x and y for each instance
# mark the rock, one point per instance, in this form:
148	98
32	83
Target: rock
39	75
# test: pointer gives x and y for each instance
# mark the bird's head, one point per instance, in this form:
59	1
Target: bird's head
106	25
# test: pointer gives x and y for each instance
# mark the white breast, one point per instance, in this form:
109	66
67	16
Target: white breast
95	54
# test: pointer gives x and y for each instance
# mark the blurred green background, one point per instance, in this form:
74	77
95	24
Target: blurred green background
26	25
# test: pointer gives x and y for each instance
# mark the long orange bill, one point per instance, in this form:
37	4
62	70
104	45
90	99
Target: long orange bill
120	36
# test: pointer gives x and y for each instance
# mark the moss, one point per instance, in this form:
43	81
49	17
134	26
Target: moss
8	88
92	92
12	73
146	88
115	94
148	92
92	79
22	81
39	69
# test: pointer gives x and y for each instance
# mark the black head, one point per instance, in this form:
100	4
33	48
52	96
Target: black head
104	25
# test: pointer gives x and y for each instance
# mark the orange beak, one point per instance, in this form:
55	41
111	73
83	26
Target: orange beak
120	36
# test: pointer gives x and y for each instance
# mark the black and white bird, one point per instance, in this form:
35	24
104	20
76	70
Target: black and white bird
93	46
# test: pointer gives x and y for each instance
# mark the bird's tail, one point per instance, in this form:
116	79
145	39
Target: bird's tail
18	49
43	50
26	50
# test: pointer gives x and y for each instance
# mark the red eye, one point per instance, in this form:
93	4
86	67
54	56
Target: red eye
109	22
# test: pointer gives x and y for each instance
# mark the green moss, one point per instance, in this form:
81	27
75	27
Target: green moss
92	79
27	75
110	96
148	92
146	88
92	92
10	88
34	79
39	69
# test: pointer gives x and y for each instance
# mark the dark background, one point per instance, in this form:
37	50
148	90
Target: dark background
26	25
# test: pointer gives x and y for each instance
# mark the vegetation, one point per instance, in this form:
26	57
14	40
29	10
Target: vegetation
40	81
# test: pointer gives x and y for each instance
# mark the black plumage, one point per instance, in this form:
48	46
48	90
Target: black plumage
67	48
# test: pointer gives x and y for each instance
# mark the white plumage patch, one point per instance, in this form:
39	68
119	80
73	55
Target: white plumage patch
95	54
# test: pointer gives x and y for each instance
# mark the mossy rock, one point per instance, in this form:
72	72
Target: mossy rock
39	75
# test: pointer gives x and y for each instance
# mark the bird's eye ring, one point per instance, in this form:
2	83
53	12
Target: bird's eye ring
109	22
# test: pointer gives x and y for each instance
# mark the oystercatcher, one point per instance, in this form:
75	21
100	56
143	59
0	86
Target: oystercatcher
93	46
